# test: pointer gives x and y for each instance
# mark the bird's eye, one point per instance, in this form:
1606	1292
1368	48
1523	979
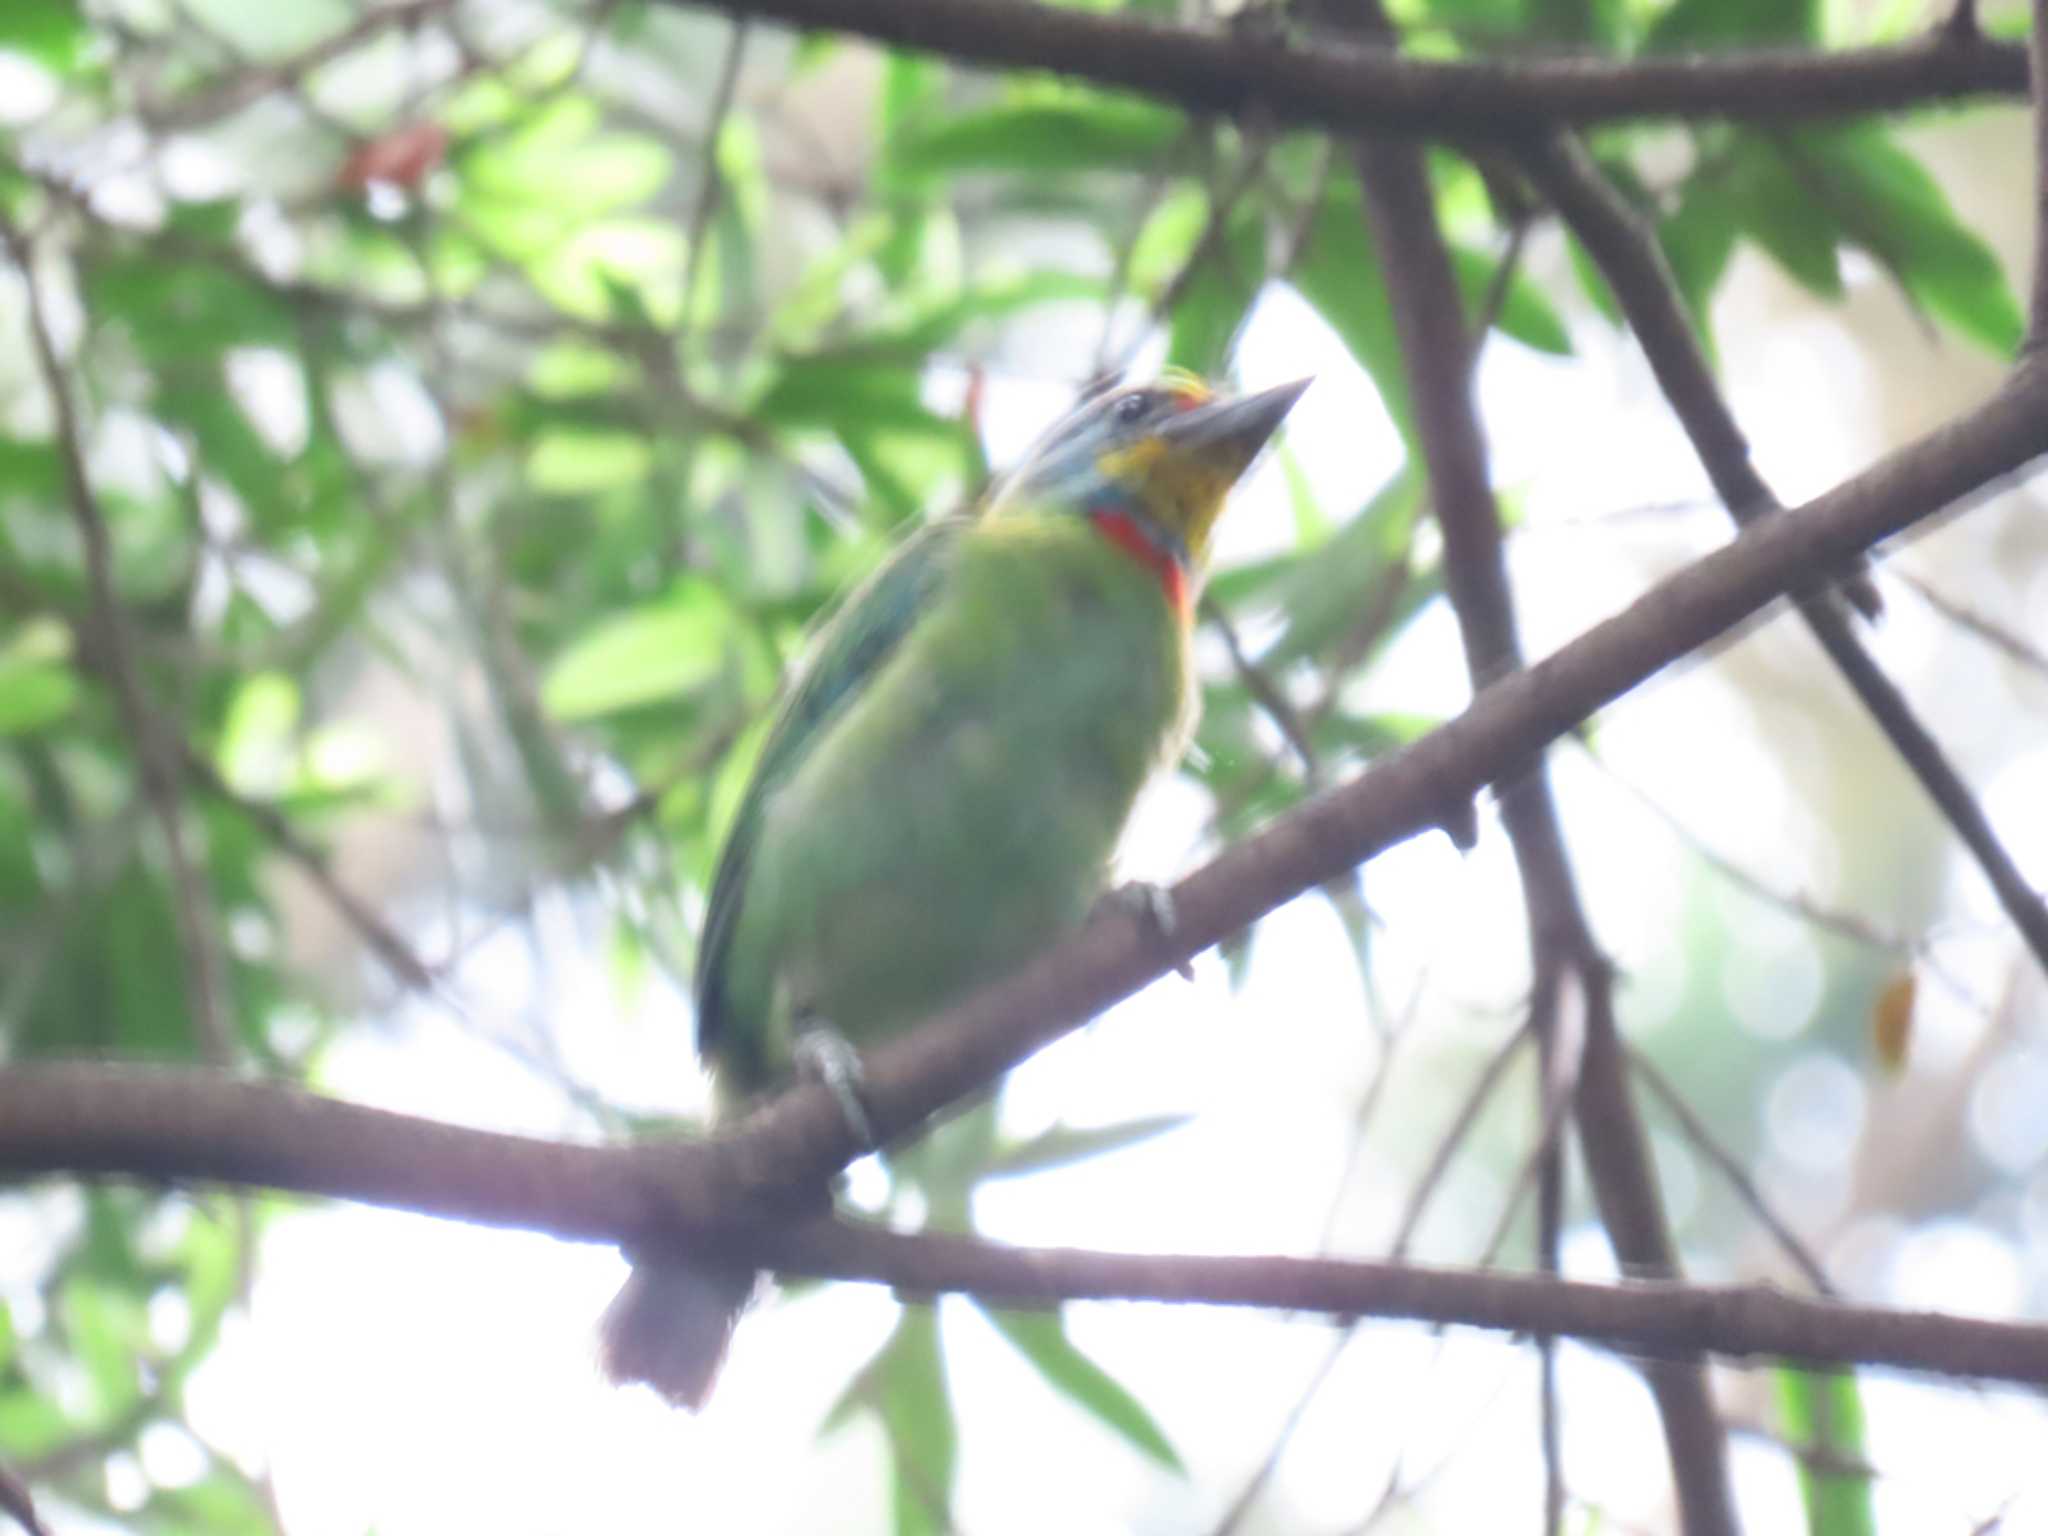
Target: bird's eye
1133	409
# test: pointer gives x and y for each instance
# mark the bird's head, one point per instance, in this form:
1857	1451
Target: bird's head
1151	465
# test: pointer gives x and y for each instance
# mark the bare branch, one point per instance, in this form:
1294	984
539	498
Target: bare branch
157	765
1709	1146
250	85
1634	268
193	1124
2016	647
1342	86
712	192
379	937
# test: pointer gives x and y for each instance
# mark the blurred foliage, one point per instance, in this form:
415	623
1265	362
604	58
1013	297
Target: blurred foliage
503	352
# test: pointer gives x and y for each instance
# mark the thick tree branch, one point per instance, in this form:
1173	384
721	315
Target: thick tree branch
93	1121
1345	86
1629	259
191	1124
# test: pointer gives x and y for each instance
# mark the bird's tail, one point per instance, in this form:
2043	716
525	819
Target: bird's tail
670	1325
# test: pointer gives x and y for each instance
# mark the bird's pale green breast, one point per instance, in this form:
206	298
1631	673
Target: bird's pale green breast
979	721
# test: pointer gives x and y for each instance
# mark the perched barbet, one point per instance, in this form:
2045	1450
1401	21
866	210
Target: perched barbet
945	786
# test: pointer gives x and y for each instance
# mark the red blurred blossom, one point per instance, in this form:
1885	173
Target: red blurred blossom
400	158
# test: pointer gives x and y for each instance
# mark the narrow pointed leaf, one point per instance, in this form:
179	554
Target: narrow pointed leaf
1041	1337
1065	1145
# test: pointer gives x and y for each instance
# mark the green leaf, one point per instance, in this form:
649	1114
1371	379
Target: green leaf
1780	212
937	325
1887	203
1339	274
584	463
52	32
1486	18
1372	735
1525	313
1822	1412
224	1503
1041	1338
1322	594
187	312
1064	1145
905	1386
912	87
553	175
1219	291
1698	239
1604	23
106	1330
29	470
917	1416
659	651
31	1425
34	694
256	735
864	397
621	269
1694	24
1071	131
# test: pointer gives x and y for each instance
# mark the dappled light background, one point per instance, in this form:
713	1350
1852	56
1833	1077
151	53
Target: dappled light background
517	471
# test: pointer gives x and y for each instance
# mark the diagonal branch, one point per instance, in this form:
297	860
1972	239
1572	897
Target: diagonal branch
157	765
1634	268
1343	86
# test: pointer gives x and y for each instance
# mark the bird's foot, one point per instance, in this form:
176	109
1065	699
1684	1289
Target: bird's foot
1152	906
822	1053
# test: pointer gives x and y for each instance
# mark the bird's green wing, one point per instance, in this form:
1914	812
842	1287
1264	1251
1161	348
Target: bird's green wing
853	645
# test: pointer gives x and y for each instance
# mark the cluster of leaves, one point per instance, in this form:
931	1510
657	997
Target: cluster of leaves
610	406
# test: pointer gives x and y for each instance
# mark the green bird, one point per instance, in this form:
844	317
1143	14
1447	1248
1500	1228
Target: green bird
944	788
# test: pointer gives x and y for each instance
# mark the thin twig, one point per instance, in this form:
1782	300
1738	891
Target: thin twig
156	762
1963	616
384	941
1267	693
1211	245
712	193
250	85
1634	268
2037	74
1709	1146
1853	926
1462	1122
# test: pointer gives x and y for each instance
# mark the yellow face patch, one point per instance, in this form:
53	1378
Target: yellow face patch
1182	492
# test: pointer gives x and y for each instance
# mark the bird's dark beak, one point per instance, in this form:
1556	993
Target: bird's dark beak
1226	435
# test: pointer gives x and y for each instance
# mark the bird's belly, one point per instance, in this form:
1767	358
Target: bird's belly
943	872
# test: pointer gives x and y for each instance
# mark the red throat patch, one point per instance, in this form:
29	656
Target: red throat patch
1122	530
